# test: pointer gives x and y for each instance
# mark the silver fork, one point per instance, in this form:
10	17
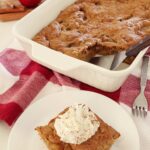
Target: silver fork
140	105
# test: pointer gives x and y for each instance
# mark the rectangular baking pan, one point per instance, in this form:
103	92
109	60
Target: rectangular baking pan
99	77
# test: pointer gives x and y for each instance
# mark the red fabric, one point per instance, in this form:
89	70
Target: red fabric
32	67
113	95
14	61
12	112
33	78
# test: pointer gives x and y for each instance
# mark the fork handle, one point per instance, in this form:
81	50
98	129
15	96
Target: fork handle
144	72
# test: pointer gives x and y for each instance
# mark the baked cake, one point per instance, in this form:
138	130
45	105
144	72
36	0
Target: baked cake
78	128
103	27
9	6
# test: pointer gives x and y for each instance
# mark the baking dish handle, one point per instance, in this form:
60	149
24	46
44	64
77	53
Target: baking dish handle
53	59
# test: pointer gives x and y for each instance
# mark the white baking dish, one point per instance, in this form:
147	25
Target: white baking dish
88	73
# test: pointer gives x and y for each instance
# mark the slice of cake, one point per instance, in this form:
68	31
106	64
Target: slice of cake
10	6
78	128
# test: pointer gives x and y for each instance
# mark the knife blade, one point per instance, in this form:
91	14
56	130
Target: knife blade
132	51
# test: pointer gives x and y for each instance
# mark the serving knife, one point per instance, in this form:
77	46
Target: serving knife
132	51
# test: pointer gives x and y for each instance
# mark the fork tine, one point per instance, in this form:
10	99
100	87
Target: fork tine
141	111
145	111
137	111
133	110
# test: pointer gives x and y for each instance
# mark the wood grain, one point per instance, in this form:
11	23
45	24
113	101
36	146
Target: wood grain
13	16
12	10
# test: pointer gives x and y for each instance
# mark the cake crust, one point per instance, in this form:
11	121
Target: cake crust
104	27
102	140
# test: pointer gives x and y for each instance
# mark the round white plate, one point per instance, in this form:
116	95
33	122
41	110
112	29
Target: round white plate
24	137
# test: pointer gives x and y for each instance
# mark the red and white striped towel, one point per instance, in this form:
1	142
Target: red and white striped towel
23	80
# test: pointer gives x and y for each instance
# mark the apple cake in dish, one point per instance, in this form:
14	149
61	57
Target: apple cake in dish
9	6
97	27
78	128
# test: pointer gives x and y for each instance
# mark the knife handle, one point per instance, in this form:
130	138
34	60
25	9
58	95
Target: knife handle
134	50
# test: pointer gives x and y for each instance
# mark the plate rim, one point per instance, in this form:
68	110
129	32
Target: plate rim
109	100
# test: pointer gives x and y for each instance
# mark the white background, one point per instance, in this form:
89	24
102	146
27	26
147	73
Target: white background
6	38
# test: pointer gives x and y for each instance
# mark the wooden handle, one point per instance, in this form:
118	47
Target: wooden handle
13	16
134	50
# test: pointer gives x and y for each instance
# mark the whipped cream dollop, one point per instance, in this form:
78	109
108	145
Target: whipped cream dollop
77	124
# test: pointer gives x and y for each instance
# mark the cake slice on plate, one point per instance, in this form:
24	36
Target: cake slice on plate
78	128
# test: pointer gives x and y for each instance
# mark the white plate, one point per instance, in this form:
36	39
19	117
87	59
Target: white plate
24	137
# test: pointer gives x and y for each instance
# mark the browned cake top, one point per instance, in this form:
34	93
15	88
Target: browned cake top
102	140
102	26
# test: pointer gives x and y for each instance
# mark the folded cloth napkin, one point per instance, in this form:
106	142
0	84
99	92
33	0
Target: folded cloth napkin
31	78
23	80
